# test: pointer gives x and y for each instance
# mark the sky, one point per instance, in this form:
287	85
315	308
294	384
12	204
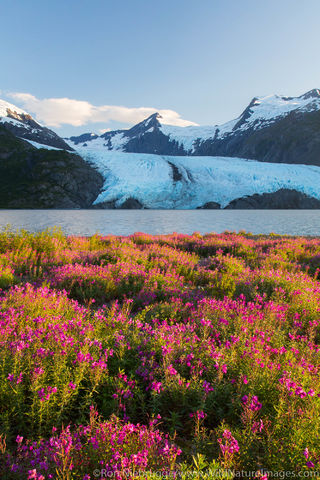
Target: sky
80	65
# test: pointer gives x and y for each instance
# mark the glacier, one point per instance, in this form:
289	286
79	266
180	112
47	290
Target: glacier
182	182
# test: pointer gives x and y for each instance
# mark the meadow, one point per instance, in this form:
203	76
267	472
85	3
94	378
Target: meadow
168	356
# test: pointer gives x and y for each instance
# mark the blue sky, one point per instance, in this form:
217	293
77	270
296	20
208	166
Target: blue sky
202	59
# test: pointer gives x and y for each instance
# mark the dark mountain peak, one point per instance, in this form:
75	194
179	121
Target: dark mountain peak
154	115
152	122
85	137
110	133
245	115
314	93
254	101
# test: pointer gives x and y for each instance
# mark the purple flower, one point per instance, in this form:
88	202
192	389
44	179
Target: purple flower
156	387
172	370
228	444
254	405
257	426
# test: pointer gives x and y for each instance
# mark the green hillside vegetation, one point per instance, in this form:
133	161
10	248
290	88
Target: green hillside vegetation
41	178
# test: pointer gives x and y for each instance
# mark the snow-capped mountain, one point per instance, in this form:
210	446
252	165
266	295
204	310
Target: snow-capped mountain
269	157
272	128
22	125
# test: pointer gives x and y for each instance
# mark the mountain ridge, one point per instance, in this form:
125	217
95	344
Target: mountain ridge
271	116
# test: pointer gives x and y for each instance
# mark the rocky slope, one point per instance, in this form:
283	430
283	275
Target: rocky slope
292	139
41	178
283	199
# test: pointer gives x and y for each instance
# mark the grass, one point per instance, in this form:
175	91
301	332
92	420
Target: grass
170	354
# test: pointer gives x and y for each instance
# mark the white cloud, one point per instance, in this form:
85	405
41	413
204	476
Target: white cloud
55	112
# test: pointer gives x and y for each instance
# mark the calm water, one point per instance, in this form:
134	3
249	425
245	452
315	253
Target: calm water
125	222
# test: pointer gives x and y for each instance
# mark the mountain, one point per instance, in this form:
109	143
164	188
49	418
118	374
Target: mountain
22	125
273	129
44	178
145	137
269	157
148	136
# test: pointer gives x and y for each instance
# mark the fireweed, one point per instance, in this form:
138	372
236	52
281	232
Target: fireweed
196	351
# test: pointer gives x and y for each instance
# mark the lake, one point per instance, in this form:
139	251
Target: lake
126	222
